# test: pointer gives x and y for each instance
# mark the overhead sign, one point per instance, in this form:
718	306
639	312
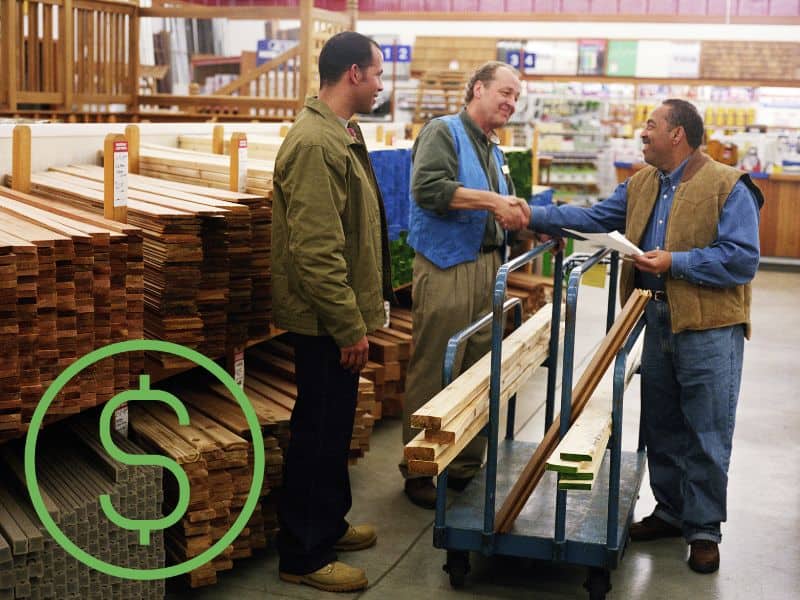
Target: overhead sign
399	54
266	50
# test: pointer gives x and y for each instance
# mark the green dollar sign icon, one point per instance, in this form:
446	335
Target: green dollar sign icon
145	526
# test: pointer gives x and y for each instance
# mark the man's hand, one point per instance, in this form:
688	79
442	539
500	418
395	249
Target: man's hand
354	357
561	243
654	261
512	213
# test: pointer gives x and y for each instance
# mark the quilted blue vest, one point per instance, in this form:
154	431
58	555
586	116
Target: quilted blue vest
454	238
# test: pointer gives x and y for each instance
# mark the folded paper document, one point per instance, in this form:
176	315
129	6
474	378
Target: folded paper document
614	240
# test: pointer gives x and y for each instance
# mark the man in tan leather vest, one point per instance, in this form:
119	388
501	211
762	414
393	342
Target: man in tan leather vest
697	221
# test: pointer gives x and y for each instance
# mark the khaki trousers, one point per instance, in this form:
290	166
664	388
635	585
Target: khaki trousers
445	301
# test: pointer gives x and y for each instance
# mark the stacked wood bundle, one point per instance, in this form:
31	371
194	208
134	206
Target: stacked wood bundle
534	469
214	460
390	351
580	453
71	282
533	291
76	472
262	147
453	417
249	289
200	266
201	168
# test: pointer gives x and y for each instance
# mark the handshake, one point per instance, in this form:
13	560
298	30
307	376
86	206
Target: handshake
512	213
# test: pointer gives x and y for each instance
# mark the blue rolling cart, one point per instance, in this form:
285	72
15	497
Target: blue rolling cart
588	528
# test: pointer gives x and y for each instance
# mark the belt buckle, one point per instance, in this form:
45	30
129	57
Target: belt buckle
660	295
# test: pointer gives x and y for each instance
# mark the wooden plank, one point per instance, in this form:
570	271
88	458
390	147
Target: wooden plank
533	471
474	381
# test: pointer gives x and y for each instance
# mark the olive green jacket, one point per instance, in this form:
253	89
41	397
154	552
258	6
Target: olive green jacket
330	248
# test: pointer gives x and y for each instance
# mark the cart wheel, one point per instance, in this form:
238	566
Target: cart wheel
457	567
598	583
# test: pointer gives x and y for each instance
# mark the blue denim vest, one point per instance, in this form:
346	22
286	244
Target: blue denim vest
454	238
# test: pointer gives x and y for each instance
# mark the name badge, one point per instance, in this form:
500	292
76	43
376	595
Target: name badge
505	170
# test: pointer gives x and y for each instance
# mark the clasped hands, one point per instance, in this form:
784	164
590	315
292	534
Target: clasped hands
512	213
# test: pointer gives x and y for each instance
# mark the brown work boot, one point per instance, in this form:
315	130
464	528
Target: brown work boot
653	528
333	577
704	556
421	491
356	538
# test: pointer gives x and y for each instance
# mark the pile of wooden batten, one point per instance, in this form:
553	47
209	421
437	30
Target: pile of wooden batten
70	281
206	256
216	453
73	471
452	418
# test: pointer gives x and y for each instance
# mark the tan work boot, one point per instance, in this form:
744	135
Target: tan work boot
356	538
333	577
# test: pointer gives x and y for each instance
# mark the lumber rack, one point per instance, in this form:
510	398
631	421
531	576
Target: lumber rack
594	532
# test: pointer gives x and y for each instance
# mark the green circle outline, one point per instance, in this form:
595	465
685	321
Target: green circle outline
127	572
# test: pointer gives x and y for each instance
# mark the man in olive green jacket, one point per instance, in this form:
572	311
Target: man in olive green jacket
330	275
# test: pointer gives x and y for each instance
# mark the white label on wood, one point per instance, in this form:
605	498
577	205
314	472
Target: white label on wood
121	420
120	174
238	368
242	184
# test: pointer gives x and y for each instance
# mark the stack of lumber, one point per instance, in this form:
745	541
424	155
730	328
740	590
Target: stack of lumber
261	147
271	375
579	454
200	265
70	282
453	417
581	393
235	285
533	291
202	168
76	471
215	461
390	350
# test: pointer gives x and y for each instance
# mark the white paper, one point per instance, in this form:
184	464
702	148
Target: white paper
120	174
614	240
242	182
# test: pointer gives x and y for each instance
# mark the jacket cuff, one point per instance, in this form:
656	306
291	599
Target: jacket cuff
680	265
350	336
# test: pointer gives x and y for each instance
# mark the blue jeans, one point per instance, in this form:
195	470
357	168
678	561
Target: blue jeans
690	387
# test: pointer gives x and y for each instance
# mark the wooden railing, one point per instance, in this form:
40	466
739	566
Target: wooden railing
275	90
63	54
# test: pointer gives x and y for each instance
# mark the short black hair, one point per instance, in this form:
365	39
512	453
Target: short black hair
684	114
340	52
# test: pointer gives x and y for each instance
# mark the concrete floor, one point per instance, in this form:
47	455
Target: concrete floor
761	546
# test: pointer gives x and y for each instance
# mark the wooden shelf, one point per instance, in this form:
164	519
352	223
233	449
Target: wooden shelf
662	81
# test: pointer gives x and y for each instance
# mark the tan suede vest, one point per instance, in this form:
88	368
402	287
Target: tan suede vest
693	220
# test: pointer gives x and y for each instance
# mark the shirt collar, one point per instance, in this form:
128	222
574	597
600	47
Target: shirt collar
674	178
318	106
473	128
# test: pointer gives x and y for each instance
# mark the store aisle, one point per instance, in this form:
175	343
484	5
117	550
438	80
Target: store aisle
760	549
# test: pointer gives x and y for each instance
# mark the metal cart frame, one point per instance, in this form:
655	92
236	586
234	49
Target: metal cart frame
594	533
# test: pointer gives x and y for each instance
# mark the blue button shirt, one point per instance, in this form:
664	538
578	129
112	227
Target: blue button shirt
730	260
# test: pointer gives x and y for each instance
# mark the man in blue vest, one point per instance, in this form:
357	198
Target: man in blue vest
462	201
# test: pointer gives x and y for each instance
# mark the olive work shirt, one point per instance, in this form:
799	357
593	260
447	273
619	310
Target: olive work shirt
434	176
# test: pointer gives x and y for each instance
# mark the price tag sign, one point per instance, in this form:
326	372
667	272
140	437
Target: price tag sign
242	183
238	368
121	420
120	174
